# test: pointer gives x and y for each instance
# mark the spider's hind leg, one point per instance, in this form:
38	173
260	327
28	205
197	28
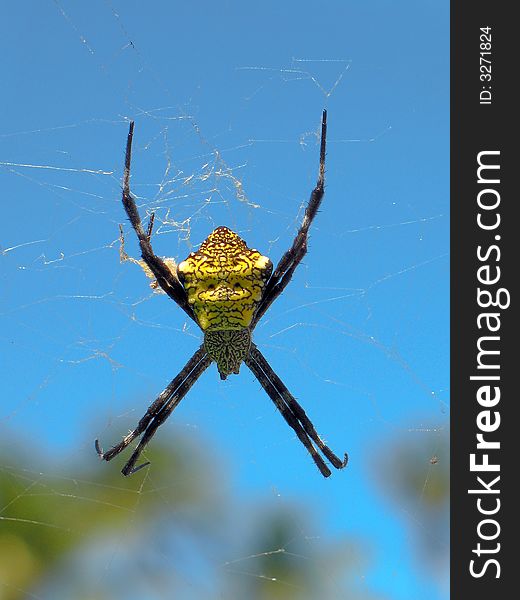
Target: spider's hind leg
293	413
158	411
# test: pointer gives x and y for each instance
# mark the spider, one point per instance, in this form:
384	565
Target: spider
226	288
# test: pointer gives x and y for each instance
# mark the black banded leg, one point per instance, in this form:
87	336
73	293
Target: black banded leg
285	268
157	406
287	415
297	409
292	412
161	417
165	278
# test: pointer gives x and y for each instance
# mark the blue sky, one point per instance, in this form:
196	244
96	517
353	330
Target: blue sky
227	99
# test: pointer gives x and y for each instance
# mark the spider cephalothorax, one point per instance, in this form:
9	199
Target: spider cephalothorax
228	348
225	287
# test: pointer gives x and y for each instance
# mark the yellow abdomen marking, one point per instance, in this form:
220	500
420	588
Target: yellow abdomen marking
224	281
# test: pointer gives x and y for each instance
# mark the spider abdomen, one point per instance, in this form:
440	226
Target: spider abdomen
224	281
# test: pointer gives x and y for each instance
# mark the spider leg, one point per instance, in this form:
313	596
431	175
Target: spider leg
292	412
297	409
149	229
291	259
159	410
165	412
165	278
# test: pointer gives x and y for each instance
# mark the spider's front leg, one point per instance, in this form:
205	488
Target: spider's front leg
164	275
292	257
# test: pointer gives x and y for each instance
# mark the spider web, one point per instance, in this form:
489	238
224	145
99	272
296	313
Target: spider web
227	133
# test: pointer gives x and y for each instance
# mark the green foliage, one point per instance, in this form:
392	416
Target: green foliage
174	530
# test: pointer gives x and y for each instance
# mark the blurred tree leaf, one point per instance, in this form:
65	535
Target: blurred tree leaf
173	530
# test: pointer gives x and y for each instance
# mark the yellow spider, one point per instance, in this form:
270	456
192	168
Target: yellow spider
225	287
